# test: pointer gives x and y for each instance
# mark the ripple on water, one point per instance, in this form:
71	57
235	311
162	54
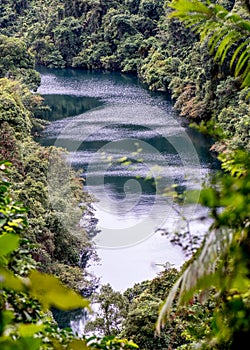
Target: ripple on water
127	120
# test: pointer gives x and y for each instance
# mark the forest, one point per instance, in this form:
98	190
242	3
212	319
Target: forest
198	52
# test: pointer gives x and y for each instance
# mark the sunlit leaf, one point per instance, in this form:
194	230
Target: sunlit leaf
29	343
28	330
208	197
236	52
122	159
52	293
8	243
9	280
223	28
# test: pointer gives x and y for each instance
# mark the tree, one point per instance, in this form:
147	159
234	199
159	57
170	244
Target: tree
27	295
222	262
222	29
184	326
111	310
67	36
17	62
23	301
139	324
12	108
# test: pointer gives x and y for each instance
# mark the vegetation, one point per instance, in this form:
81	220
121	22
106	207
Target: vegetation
139	309
56	243
111	311
197	50
146	38
222	261
50	241
27	295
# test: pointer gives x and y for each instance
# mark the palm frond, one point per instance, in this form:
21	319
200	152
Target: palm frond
200	274
216	37
237	51
244	57
185	7
247	80
223	29
228	41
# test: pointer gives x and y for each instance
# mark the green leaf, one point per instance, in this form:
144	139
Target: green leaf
29	343
7	317
2	222
218	34
244	57
8	243
226	44
226	28
236	52
28	330
4	188
189	7
8	344
9	280
246	82
4	164
205	28
122	159
20	344
241	283
52	293
209	198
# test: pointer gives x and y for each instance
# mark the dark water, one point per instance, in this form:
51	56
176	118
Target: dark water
131	147
67	106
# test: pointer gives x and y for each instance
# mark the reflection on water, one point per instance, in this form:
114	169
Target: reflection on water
67	106
132	147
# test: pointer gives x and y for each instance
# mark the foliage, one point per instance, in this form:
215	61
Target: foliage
133	314
140	321
67	38
222	262
139	307
9	145
132	36
54	215
234	120
19	108
12	108
156	70
112	308
84	34
24	319
223	29
23	299
17	62
110	343
184	326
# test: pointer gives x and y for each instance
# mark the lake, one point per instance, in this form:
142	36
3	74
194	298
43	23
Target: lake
133	150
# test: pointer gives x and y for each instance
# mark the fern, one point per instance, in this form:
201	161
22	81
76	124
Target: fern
200	274
224	30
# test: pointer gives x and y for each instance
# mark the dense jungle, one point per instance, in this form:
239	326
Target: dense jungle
196	51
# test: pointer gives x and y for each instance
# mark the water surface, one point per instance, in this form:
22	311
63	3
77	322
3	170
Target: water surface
132	148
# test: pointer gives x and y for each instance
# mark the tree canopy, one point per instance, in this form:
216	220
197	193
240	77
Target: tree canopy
199	52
